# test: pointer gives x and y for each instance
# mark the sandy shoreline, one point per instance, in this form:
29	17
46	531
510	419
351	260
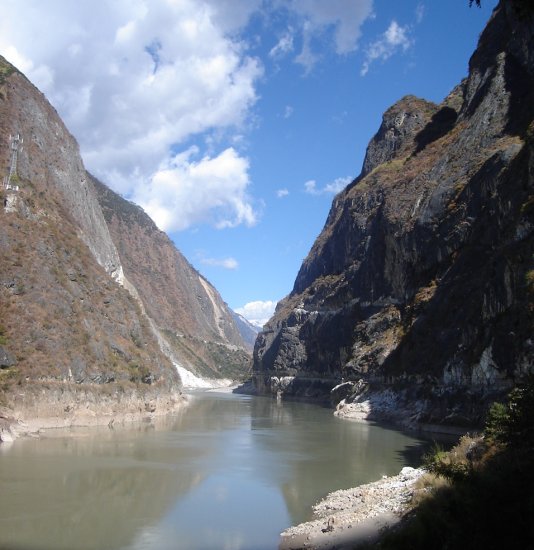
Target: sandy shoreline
347	518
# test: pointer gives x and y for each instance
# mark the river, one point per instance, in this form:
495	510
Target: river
229	472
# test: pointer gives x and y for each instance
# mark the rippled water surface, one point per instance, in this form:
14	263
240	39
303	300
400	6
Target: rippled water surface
229	472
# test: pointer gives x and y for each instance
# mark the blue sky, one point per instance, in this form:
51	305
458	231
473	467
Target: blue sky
234	122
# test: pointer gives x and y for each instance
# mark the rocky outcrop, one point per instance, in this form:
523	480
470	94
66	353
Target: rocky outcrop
420	284
354	518
198	328
400	126
6	359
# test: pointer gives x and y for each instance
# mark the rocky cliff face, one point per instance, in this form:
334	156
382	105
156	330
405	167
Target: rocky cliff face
67	328
76	335
198	327
51	161
418	293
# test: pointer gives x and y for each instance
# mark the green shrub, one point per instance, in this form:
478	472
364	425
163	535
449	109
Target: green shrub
489	501
458	463
495	423
512	424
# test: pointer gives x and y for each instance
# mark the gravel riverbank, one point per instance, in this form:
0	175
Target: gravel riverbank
350	517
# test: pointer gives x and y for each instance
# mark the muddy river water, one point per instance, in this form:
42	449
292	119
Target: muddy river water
229	472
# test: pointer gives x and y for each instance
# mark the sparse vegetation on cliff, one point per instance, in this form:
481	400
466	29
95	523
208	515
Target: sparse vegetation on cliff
6	69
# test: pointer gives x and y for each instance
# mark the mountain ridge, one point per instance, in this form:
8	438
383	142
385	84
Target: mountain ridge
186	308
413	300
82	340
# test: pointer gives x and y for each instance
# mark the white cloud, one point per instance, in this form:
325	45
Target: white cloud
134	79
393	40
306	57
333	187
310	187
343	17
258	312
346	16
340	117
226	263
288	111
337	185
284	46
232	15
186	192
281	193
419	13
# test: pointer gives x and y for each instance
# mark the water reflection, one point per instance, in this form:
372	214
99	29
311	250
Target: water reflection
228	472
322	453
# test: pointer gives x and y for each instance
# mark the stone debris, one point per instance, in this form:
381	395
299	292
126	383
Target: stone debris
347	509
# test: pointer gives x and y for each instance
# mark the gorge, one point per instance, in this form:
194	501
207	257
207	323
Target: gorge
414	307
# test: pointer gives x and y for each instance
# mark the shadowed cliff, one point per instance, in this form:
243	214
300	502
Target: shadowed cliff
419	288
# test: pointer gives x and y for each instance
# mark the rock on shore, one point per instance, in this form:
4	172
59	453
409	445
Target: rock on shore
350	517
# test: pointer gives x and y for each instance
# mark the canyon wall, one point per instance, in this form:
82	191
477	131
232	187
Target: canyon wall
415	302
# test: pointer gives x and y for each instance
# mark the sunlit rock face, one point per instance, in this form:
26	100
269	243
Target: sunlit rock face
421	281
68	325
197	328
95	302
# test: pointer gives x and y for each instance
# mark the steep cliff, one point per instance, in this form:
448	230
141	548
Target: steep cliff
79	341
197	325
75	345
418	293
51	161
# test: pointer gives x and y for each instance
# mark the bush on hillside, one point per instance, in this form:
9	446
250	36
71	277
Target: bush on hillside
512	424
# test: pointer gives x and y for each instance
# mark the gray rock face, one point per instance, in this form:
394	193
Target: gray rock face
419	281
199	329
400	126
6	359
52	159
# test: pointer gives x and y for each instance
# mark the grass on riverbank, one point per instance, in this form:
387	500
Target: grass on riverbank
481	493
